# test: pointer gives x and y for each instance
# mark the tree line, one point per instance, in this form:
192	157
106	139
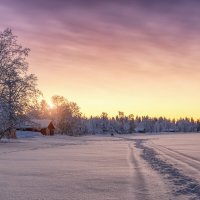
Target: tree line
72	122
19	102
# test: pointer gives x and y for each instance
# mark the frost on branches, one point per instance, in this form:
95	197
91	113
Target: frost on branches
18	89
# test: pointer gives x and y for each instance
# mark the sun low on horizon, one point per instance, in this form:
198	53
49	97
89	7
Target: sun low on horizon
140	57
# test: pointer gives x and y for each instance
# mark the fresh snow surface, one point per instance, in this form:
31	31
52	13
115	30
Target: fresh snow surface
158	167
28	134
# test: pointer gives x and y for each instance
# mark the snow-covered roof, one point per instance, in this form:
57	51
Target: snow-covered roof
36	123
42	123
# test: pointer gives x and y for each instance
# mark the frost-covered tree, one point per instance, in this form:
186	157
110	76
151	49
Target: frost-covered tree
131	123
122	124
18	89
44	110
67	117
104	122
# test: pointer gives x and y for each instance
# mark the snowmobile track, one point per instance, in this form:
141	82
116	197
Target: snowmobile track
183	185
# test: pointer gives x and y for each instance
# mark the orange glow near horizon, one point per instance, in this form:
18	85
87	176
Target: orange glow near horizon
157	97
104	86
112	83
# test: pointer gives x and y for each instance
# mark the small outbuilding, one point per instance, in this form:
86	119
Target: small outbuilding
45	126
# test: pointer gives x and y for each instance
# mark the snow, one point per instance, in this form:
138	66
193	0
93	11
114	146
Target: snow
36	123
99	167
28	134
176	157
42	123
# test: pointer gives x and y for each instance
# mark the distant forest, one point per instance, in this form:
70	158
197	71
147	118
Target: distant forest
70	121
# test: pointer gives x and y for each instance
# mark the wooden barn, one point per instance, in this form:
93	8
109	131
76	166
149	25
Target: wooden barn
45	126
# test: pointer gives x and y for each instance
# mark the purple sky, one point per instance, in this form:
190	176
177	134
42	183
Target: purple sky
138	52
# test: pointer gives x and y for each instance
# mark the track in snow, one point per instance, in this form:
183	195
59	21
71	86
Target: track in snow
182	184
95	167
181	157
139	184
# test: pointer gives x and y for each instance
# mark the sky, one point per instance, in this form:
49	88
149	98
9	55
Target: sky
136	56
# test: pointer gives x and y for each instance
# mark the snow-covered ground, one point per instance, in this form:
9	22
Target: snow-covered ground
100	167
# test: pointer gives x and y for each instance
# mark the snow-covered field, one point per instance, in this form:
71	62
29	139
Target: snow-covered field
154	167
